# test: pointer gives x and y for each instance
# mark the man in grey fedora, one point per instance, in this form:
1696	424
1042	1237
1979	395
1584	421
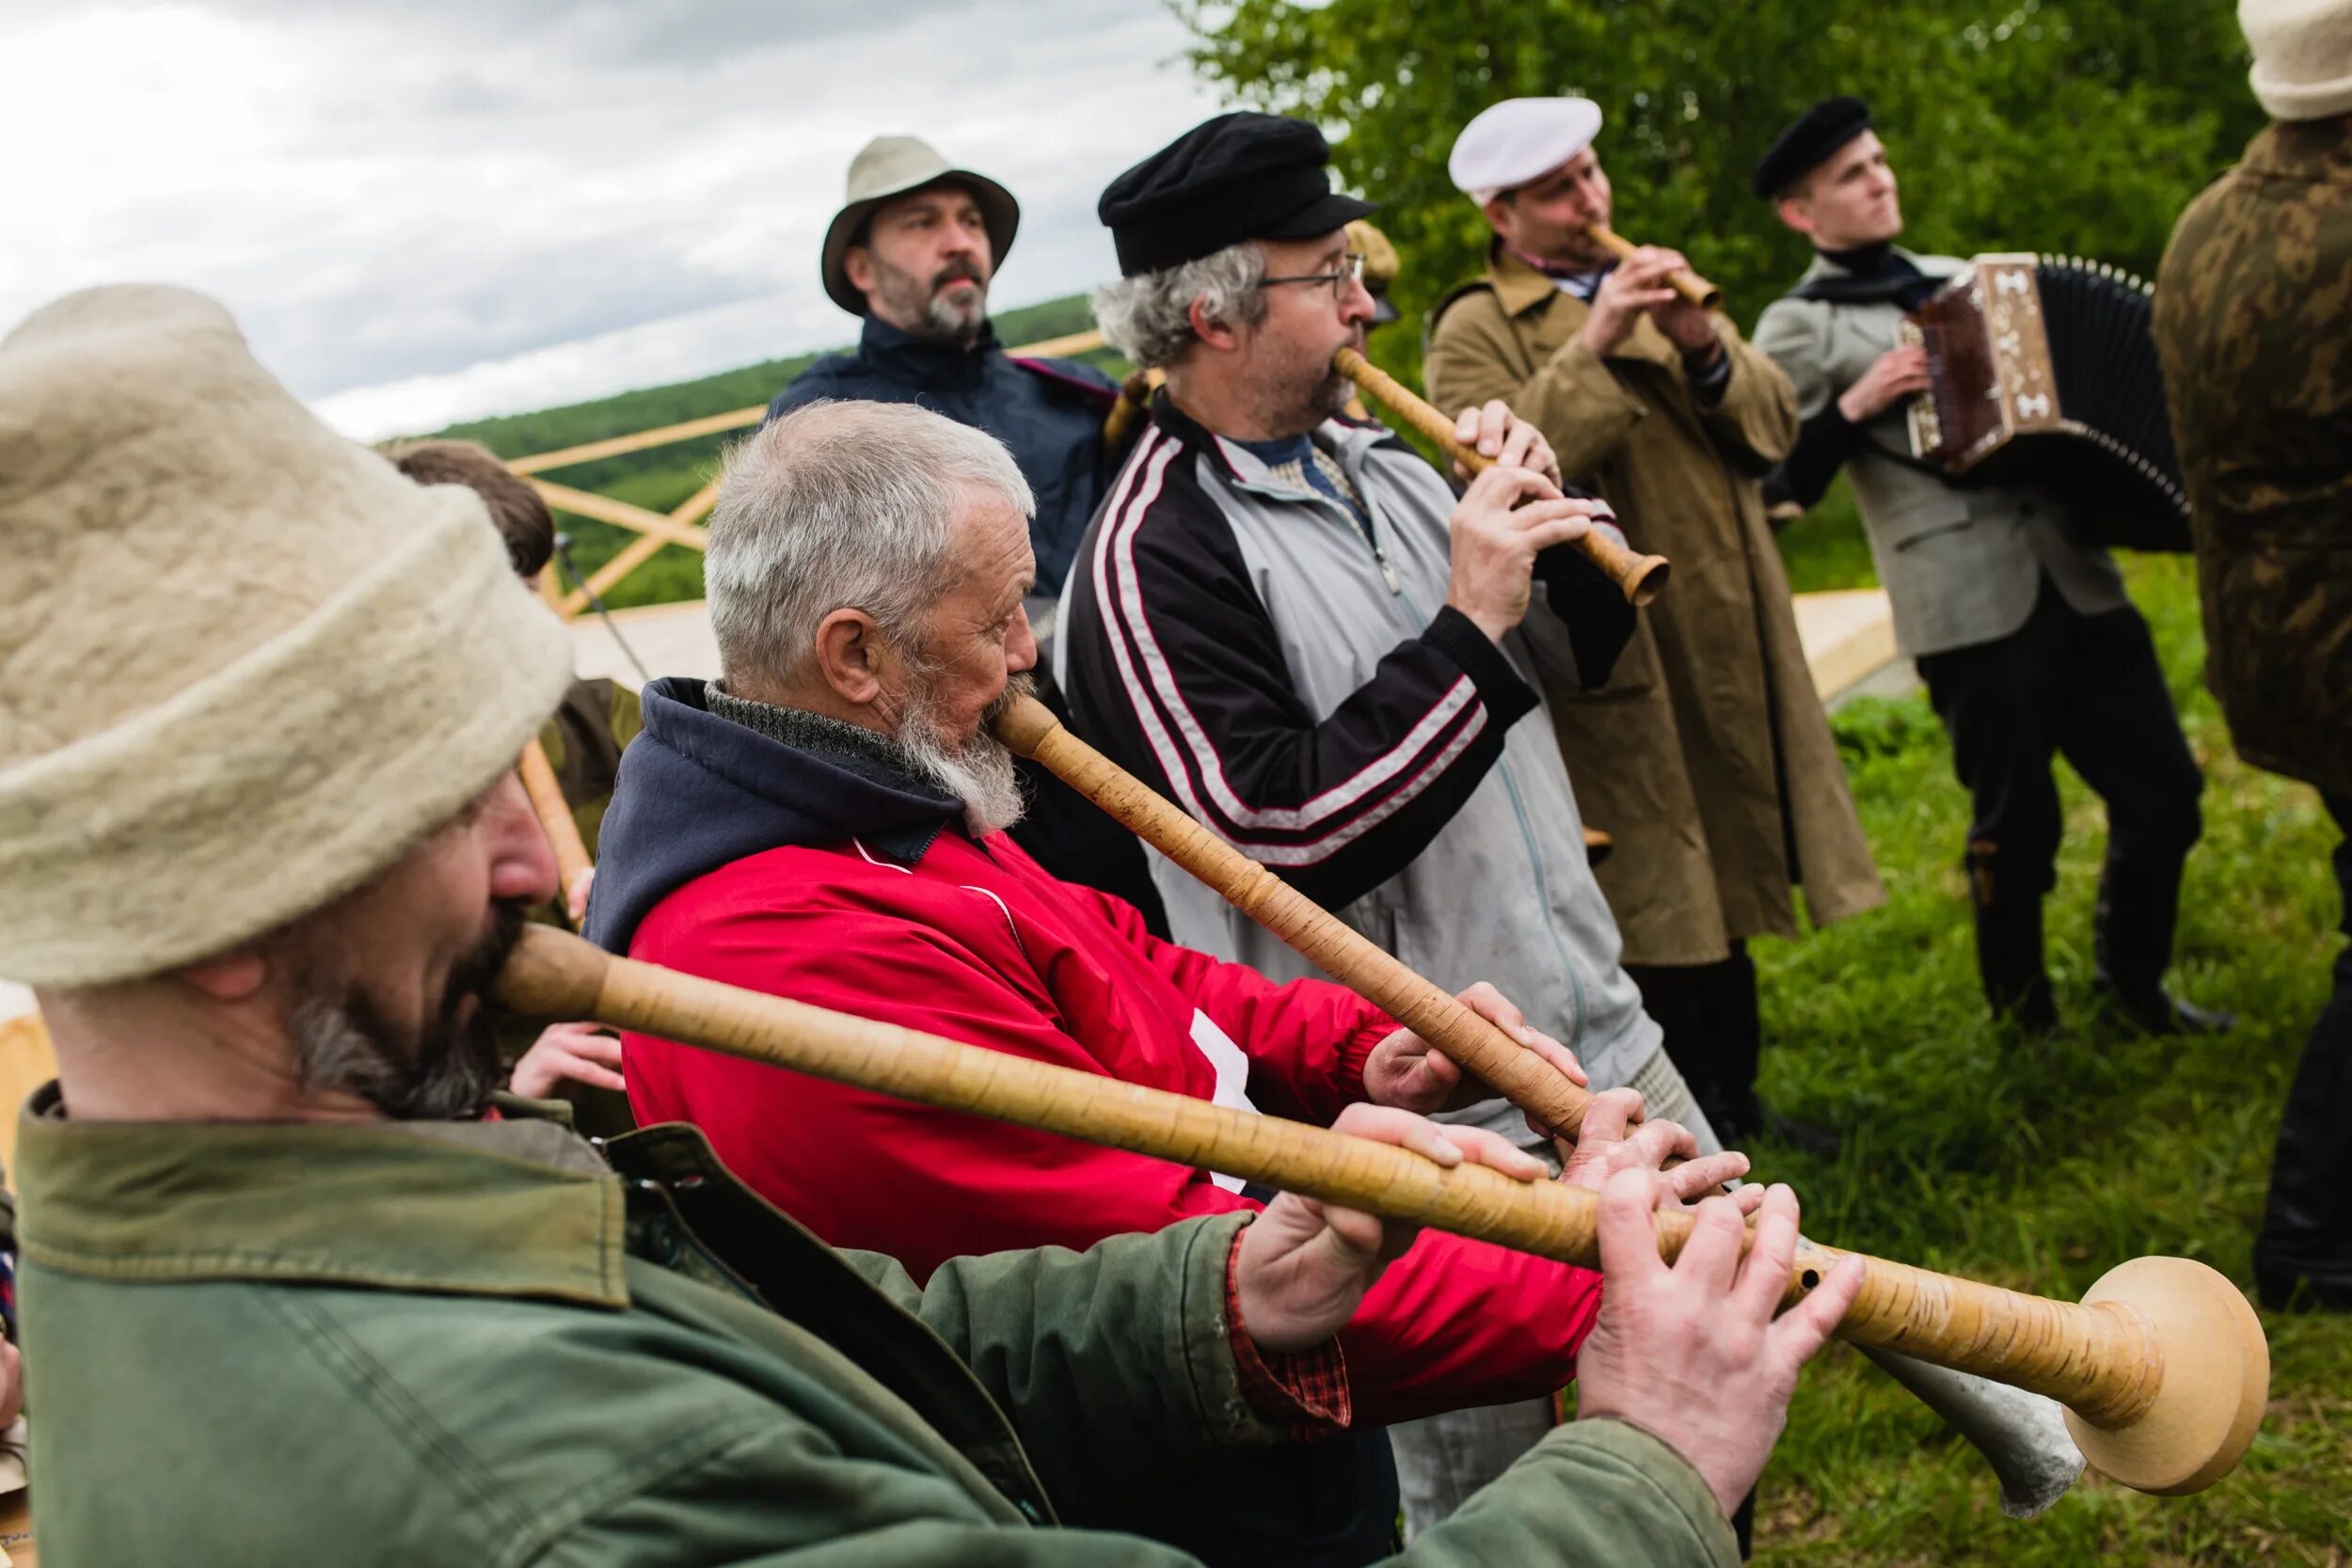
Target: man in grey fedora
912	250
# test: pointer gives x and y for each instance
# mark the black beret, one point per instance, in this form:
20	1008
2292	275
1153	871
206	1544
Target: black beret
1809	140
1239	176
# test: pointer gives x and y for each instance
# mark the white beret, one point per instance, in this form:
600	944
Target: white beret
1520	139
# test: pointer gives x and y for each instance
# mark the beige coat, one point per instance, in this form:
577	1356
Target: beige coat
1707	754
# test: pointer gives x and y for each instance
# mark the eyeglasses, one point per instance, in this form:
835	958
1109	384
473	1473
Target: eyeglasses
1351	271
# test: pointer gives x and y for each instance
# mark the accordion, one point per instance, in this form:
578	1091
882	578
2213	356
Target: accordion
2043	371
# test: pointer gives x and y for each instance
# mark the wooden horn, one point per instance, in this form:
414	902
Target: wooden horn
2163	1366
1640	576
555	815
1029	729
1690	285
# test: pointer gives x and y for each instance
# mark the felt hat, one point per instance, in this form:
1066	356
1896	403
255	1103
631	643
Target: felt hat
2302	56
896	166
244	663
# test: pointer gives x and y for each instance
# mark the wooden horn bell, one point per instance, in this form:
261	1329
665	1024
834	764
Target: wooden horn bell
2163	1366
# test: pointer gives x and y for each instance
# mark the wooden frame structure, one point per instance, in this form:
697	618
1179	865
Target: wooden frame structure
682	525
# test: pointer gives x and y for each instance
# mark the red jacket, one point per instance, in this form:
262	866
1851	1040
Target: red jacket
973	940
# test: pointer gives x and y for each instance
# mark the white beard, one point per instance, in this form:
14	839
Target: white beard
979	772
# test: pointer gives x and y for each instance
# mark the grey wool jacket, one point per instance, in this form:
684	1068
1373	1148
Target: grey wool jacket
1960	566
1287	670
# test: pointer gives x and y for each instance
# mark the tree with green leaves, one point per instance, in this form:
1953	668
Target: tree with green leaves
2044	125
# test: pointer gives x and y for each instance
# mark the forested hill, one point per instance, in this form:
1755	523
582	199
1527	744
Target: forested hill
547	429
663	477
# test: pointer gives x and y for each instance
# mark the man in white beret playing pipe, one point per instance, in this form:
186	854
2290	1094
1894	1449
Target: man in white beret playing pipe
262	873
1704	753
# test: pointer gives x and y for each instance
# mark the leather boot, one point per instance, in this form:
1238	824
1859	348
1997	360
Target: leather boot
2132	946
2303	1253
2008	962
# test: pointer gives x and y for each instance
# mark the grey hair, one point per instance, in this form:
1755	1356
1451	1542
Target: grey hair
1149	318
840	505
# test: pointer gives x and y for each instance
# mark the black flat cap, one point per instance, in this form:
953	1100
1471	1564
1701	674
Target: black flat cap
1239	176
1809	140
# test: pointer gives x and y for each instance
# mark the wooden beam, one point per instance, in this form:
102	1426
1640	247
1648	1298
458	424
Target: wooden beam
602	580
691	509
1066	347
587	503
742	419
713	424
635	554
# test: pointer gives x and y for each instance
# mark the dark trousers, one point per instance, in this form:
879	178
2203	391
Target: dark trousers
1714	1032
2307	1222
2086	688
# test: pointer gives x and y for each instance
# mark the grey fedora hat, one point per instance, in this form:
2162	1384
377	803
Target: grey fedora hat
893	166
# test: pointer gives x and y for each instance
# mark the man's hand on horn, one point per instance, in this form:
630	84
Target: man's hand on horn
1492	431
1698	1353
1303	1265
1407	1071
1614	1139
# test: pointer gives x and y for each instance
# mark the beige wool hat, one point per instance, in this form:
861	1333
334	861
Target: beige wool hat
2302	56
244	664
894	166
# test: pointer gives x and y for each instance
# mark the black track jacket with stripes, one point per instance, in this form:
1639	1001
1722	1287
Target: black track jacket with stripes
1287	671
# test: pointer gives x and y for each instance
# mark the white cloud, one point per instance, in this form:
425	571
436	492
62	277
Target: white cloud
435	209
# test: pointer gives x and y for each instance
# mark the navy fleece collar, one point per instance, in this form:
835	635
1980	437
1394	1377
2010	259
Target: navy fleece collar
697	792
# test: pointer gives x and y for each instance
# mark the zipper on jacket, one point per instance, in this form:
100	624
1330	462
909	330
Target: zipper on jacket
1372	536
1360	523
1553	914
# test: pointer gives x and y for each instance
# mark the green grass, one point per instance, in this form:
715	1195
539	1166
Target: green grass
2042	1170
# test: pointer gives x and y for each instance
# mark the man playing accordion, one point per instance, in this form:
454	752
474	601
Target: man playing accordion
2022	629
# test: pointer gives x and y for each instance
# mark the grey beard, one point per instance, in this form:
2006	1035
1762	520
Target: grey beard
979	772
957	323
911	298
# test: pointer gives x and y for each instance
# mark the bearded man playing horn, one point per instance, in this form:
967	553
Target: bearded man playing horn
1706	753
826	823
262	873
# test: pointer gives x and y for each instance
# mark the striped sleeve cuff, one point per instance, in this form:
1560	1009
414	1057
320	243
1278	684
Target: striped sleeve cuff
1456	636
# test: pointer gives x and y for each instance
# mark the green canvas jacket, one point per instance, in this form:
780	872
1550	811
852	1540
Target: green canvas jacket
474	1343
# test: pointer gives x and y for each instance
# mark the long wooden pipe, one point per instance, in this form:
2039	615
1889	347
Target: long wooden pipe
1639	576
1029	729
1690	285
2163	1367
555	817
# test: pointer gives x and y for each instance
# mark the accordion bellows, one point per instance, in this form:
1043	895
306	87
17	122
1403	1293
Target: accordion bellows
2043	371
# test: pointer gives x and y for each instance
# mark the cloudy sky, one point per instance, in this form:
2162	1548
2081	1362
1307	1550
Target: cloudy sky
427	209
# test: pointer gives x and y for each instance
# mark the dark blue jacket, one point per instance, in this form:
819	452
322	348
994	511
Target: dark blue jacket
1049	411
